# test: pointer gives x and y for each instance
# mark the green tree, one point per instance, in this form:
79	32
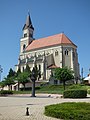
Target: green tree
16	77
2	84
18	72
11	73
27	69
63	74
23	78
9	81
37	72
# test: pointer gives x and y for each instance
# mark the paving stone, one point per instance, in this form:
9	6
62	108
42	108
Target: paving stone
14	107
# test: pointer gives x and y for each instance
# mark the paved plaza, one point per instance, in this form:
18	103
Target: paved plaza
14	107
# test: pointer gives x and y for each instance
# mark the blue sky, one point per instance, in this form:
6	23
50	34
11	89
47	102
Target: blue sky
49	17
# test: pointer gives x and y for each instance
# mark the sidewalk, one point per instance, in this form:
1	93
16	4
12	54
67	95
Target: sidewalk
14	107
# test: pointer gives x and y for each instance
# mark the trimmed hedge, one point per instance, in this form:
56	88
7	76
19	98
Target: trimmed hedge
69	111
5	92
75	94
88	91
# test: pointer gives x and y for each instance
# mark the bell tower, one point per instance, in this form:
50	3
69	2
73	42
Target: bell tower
27	37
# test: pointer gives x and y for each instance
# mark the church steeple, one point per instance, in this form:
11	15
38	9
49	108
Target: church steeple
28	23
27	38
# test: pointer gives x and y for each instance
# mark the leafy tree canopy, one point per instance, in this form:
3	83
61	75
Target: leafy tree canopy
63	74
37	72
18	72
11	73
27	69
2	83
9	81
23	77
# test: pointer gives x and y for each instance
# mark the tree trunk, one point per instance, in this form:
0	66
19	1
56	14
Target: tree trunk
64	84
9	87
24	86
18	85
33	88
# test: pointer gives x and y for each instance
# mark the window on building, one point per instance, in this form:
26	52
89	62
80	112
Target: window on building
24	46
55	82
56	53
25	35
23	69
40	67
66	52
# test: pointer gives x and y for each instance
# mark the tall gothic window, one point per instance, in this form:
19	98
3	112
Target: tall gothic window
40	67
24	46
66	52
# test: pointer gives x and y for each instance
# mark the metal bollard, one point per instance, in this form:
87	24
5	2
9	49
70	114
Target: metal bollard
27	112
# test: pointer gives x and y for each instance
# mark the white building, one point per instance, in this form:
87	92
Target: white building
49	52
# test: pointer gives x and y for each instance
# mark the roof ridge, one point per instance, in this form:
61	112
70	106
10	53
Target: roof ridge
69	39
49	36
49	41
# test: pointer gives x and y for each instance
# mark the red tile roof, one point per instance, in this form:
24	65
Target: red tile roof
53	67
50	41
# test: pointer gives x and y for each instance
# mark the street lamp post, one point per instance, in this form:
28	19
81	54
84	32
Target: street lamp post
33	79
1	70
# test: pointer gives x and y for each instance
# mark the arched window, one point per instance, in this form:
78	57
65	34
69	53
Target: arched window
24	46
66	52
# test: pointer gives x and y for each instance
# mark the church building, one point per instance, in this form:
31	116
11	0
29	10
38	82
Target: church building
47	53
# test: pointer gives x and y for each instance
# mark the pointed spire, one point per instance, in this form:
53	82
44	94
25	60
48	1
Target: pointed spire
28	23
28	20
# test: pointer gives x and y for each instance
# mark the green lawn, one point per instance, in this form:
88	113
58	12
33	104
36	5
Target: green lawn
53	89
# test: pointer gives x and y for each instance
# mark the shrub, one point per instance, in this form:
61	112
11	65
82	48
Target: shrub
75	94
37	88
88	91
5	92
78	86
69	111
